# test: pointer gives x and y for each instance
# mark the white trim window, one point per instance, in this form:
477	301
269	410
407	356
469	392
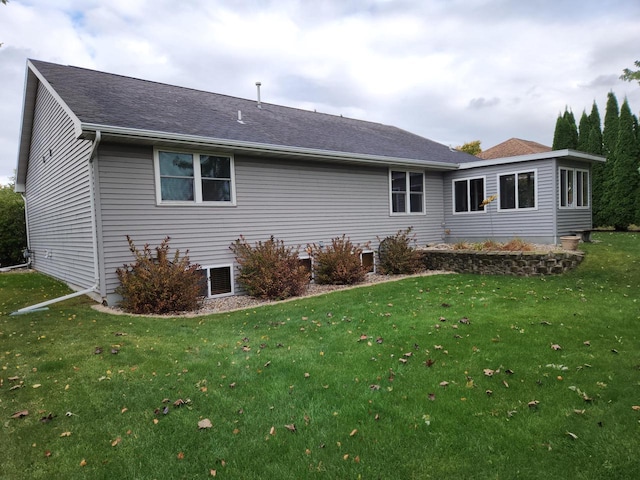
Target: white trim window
518	190
216	281
406	191
187	178
468	194
574	188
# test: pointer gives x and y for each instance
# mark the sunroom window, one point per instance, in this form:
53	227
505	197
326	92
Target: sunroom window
574	188
517	190
185	177
468	194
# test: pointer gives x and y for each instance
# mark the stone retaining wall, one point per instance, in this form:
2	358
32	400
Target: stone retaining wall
522	264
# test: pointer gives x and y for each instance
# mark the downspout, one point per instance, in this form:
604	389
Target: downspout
94	234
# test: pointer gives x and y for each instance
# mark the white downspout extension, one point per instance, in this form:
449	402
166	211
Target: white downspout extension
94	234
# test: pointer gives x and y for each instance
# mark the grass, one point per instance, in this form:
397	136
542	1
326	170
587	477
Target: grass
338	368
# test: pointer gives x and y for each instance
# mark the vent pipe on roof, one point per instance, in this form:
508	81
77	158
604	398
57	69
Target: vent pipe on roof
258	86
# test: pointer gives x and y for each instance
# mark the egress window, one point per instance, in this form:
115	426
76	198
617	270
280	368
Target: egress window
407	192
517	191
468	194
194	178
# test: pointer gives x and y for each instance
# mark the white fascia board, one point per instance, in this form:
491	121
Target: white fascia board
263	148
76	121
566	153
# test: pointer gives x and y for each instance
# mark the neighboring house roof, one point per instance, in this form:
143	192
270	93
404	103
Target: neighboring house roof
119	105
512	148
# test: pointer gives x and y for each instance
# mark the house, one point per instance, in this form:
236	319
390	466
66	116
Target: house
103	156
512	148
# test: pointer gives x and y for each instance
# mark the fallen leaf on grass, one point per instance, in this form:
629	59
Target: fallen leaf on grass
213	473
97	351
125	409
47	453
36	385
20	414
533	403
83	463
47	418
586	343
181	456
428	362
555	346
65	434
291	427
353	432
178	402
13	379
402	360
444	384
374	387
464	320
204	423
572	435
635	407
488	372
272	431
116	442
431	396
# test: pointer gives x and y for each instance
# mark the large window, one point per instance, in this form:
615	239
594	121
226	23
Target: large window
468	194
574	188
184	177
517	191
407	192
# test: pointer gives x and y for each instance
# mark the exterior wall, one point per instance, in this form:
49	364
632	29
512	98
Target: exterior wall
58	196
530	225
572	219
298	202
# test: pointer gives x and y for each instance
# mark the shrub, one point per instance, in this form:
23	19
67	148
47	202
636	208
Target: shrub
13	236
517	245
339	263
270	270
397	256
156	284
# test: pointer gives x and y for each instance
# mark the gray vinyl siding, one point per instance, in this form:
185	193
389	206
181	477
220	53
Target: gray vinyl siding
502	225
299	202
58	196
572	219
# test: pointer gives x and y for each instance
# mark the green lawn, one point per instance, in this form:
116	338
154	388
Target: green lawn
542	381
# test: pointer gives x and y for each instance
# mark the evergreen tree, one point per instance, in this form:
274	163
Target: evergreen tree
573	129
609	141
584	131
625	179
566	132
595	136
610	133
594	146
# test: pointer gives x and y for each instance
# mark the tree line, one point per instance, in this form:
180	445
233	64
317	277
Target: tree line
615	184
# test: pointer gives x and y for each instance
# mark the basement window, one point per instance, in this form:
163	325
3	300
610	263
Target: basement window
216	281
367	260
305	262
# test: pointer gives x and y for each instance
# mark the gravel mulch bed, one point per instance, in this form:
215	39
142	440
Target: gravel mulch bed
242	302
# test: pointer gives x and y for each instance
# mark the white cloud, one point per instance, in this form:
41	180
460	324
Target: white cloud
452	71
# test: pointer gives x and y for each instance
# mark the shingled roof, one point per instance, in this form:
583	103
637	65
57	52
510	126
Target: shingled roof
513	148
103	101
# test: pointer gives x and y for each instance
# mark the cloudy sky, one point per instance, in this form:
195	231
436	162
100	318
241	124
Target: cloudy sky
449	70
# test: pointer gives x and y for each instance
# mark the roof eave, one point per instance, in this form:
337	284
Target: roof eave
114	132
566	154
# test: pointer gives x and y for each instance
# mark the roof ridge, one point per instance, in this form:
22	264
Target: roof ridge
193	89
